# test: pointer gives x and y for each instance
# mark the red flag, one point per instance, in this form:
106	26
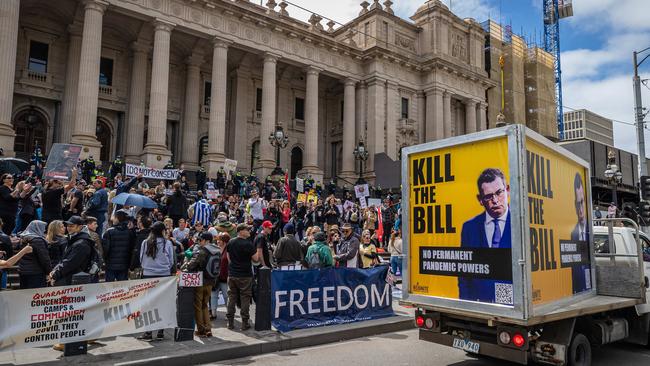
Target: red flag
380	225
287	188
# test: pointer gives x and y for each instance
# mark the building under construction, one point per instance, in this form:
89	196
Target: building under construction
528	88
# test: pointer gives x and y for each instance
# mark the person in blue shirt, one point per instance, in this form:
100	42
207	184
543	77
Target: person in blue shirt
490	229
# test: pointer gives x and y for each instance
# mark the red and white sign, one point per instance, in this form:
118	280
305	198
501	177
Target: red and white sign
190	279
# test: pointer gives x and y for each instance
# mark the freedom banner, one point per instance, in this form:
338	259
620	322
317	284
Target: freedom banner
132	170
315	298
50	315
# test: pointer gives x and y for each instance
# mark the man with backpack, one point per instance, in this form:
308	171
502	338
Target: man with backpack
206	258
319	254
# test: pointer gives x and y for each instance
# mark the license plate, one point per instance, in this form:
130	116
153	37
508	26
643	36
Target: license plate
466	345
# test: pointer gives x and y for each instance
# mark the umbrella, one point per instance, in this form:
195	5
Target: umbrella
7	166
23	165
138	200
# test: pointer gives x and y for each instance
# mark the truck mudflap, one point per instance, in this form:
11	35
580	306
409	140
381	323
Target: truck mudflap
484	348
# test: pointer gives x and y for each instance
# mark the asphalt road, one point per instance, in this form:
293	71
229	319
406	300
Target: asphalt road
404	348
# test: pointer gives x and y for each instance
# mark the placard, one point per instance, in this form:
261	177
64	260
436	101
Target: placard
363	203
132	170
211	194
190	279
374	202
362	190
62	159
300	185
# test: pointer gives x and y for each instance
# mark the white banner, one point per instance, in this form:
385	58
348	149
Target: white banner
300	185
151	173
50	315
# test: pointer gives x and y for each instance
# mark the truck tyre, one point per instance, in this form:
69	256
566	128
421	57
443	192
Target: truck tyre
579	351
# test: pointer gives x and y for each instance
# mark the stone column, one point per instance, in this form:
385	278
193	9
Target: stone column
435	116
349	136
156	154
376	123
266	162
71	83
470	116
136	107
85	121
421	99
190	145
241	108
393	108
311	125
446	101
9	13
482	116
361	114
217	125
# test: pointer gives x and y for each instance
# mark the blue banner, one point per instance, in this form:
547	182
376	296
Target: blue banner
314	298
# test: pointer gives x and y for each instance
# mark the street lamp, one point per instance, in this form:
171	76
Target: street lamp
361	155
613	174
279	140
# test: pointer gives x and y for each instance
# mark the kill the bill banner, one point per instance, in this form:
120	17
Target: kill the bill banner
46	316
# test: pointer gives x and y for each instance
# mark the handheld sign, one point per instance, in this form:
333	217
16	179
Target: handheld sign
190	279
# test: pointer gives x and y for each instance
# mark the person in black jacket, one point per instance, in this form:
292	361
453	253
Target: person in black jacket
76	257
7	249
118	243
141	234
177	204
36	265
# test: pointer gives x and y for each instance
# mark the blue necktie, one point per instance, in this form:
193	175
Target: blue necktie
496	237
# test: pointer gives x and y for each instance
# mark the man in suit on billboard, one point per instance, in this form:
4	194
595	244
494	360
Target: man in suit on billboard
580	233
490	229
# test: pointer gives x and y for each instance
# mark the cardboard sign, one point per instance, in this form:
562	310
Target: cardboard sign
190	279
347	205
374	202
211	194
302	198
62	159
363	203
300	185
361	190
230	166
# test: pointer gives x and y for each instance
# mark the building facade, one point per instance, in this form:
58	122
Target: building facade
201	81
584	124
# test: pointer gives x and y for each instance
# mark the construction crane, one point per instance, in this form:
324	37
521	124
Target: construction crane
554	10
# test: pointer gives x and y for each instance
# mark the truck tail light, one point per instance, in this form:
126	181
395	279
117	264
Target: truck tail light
518	340
419	321
429	323
504	337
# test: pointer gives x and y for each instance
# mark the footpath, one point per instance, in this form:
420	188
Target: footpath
224	345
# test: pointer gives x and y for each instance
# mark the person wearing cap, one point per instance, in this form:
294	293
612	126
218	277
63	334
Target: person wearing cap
241	252
76	257
225	226
347	249
118	243
320	249
288	250
261	243
198	263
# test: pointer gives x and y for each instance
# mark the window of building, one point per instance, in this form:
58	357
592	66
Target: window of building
255	154
299	111
405	108
106	71
207	92
38	54
258	100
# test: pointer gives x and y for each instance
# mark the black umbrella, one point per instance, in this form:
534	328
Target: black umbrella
7	166
19	163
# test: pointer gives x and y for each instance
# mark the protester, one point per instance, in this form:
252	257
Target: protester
98	205
319	254
77	255
51	197
346	251
34	266
157	259
288	250
367	250
395	249
15	258
7	251
241	252
56	241
261	243
206	258
9	201
118	243
221	283
177	204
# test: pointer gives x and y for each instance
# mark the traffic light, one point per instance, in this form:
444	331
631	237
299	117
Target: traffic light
644	212
645	188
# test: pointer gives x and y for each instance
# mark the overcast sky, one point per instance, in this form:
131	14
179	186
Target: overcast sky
597	45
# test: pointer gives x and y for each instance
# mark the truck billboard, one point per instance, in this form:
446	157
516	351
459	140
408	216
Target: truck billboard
459	235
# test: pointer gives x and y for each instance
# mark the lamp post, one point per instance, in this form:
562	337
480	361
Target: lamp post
361	155
279	140
613	174
639	114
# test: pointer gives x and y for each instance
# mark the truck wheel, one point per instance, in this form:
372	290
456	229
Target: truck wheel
579	351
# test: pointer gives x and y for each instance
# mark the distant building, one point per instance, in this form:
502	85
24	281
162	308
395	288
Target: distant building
584	124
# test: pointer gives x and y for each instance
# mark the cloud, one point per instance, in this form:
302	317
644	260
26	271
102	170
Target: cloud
597	15
341	11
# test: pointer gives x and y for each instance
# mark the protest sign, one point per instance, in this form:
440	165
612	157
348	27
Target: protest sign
348	205
362	202
312	197
302	198
300	185
62	159
190	279
313	298
374	202
230	166
211	194
361	190
132	170
67	314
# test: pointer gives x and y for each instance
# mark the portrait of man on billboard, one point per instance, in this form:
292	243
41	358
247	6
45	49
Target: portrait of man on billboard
488	230
580	233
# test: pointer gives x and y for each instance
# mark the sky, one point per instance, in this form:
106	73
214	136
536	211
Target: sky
596	47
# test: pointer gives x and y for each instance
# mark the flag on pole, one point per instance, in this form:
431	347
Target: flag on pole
380	225
287	187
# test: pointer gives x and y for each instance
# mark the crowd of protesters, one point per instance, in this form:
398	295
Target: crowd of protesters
227	228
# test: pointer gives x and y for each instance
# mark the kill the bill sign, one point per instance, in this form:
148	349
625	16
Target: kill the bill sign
461	221
46	316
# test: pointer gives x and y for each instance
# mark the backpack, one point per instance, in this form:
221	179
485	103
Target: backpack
314	260
213	265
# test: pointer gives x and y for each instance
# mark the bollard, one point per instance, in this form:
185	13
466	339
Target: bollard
77	348
184	314
263	304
